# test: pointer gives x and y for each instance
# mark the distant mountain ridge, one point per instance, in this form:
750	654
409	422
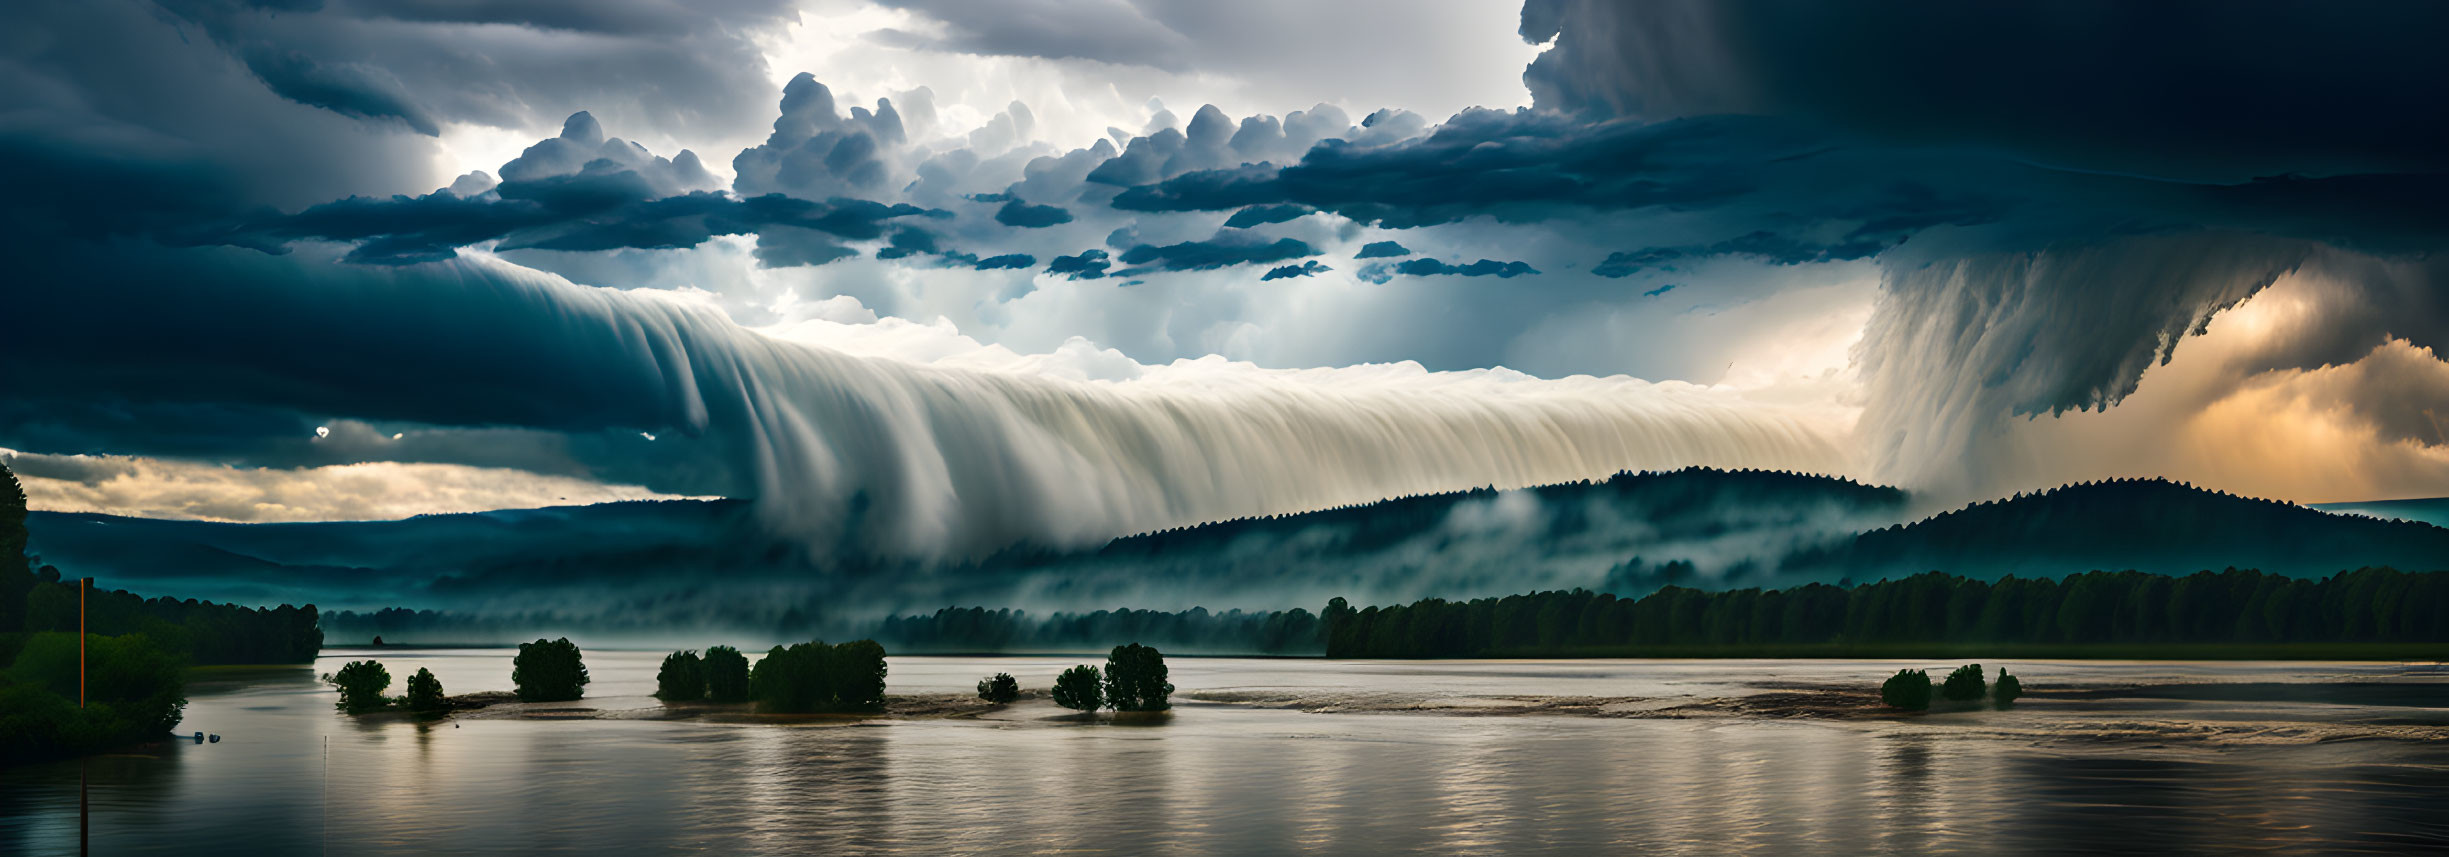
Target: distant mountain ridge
711	563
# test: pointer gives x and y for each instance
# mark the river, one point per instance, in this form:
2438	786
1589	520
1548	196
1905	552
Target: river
1278	757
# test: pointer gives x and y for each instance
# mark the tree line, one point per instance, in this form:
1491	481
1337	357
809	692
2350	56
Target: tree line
977	629
2371	605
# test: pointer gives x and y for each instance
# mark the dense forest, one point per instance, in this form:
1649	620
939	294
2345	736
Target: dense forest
2133	609
976	629
203	632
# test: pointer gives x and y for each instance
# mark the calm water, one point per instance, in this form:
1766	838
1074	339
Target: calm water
2121	776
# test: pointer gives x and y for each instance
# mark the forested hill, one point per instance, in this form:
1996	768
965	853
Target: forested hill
1692	503
2140	524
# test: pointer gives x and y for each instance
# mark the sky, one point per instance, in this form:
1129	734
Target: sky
935	279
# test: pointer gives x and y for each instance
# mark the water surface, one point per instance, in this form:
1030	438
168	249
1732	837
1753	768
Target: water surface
2110	776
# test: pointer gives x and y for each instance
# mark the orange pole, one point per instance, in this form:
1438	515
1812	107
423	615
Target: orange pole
81	582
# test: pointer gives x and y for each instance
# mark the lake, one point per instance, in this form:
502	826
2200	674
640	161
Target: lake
1269	774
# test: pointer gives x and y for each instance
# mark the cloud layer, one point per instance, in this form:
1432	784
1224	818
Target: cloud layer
922	322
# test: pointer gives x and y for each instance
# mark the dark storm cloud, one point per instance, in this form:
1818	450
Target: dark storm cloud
1785	191
507	64
1382	250
609	17
583	212
2193	88
1025	216
2196	152
1306	269
1380	272
1259	215
1114	31
231	356
1088	265
1205	255
143	117
1007	260
348	89
1768	247
1513	166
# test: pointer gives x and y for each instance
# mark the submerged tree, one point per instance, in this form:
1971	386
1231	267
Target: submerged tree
1080	689
726	672
682	679
1135	679
814	676
1003	688
790	679
361	685
549	671
856	670
2003	693
425	692
1908	689
1964	685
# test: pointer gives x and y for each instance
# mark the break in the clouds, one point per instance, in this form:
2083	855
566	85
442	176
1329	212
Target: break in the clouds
926	279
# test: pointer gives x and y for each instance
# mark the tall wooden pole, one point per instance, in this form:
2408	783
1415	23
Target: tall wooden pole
81	583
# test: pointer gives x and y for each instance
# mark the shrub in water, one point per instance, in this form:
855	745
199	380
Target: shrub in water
549	671
1135	679
1080	689
726	674
361	685
1908	689
682	678
1965	684
856	671
2003	693
425	692
814	676
1001	689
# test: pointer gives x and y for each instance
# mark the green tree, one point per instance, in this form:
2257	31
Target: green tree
726	674
549	671
425	692
1135	679
2003	693
1908	689
814	676
135	691
16	581
682	678
855	672
361	685
1080	689
792	679
1965	684
1003	688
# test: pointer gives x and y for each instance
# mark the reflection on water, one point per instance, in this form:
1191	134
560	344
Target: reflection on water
1218	779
